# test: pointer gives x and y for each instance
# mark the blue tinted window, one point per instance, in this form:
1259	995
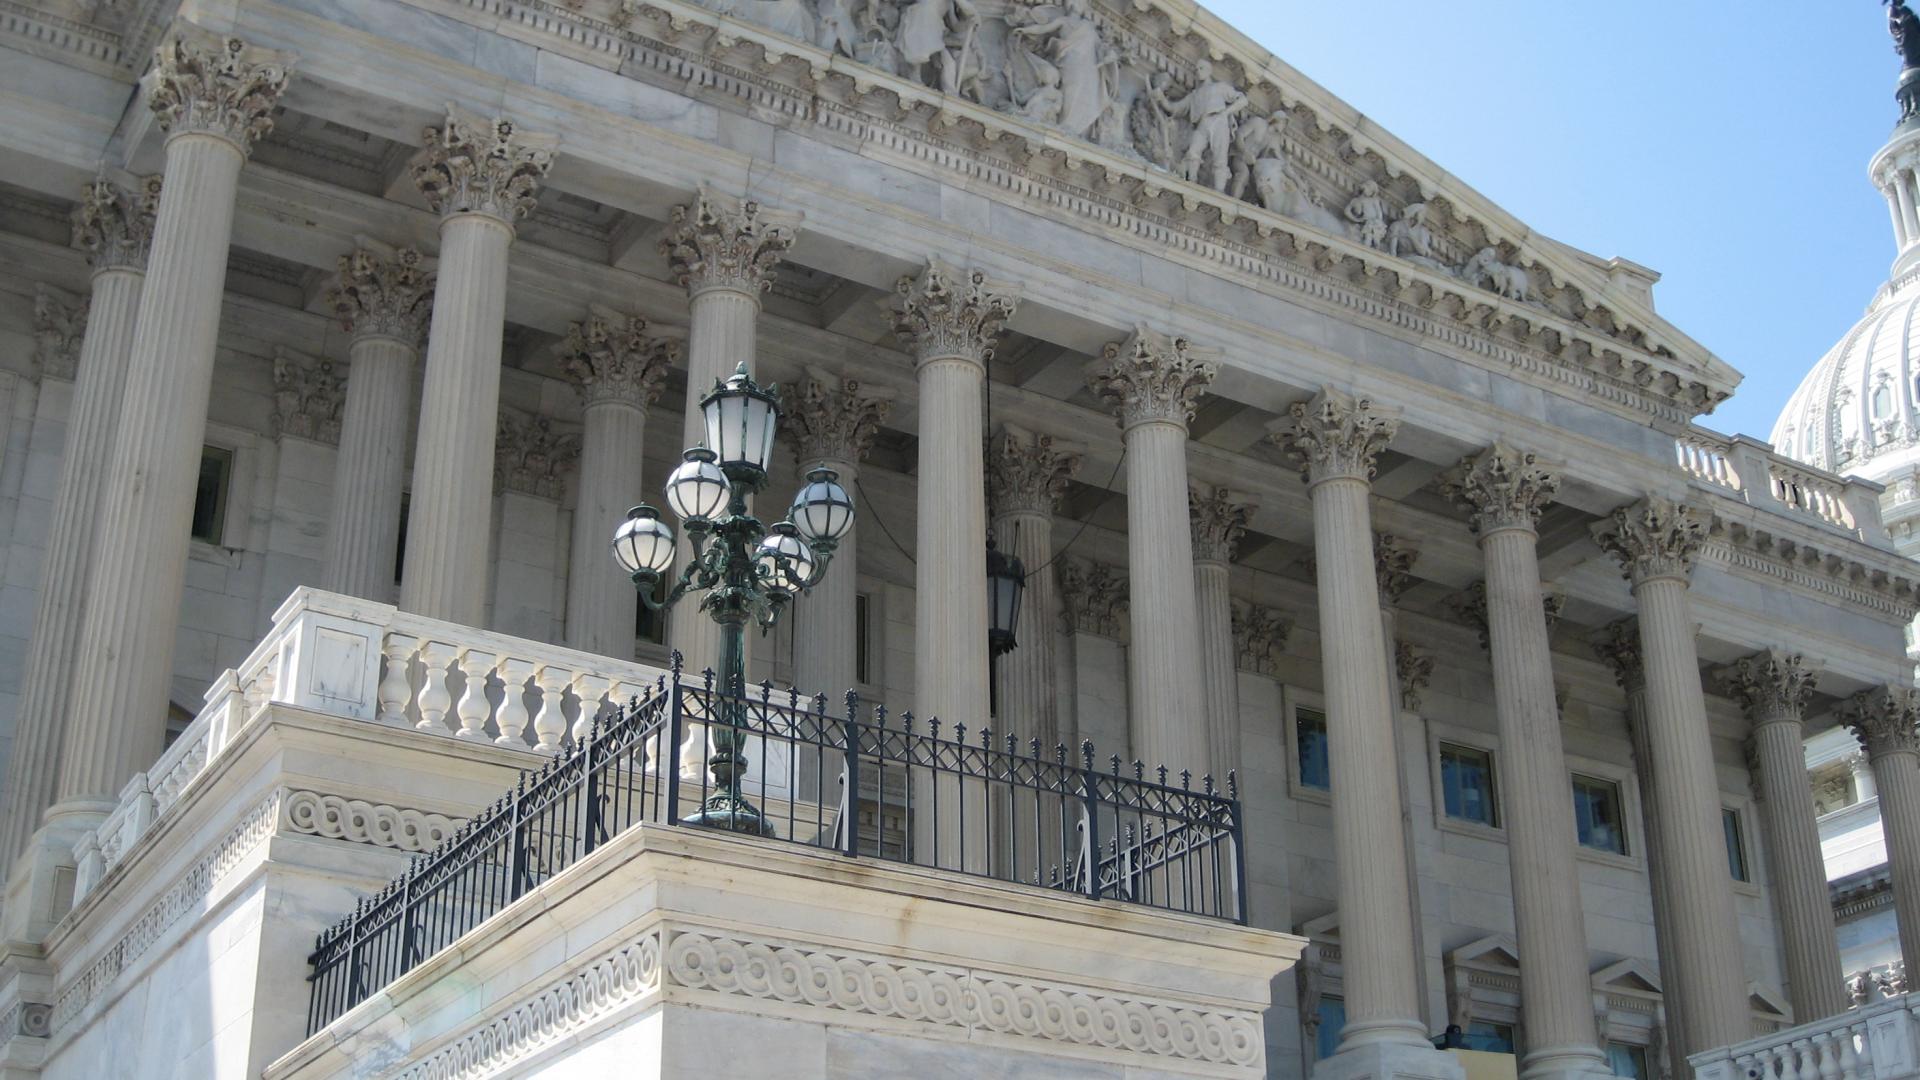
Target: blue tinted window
1736	851
1333	1020
1627	1061
1492	1038
1597	815
1466	781
1310	731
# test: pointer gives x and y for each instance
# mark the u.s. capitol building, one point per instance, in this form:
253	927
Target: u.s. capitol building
1251	606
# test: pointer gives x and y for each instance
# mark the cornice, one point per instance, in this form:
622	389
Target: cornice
1821	571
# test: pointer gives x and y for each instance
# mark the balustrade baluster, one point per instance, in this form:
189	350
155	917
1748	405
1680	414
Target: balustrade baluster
474	706
550	723
396	681
589	689
435	699
513	715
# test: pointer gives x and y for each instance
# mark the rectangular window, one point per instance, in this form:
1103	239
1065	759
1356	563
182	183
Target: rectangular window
1490	1038
1627	1061
1310	737
1597	815
1736	847
1332	1015
210	494
1466	782
862	654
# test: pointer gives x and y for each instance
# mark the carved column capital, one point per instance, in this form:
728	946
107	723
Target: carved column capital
1504	488
1336	436
1260	637
1884	720
1027	472
115	225
1772	684
309	394
834	418
1414	668
944	313
1393	560
475	165
1219	519
532	454
1618	643
1654	538
1093	598
202	83
1152	377
720	242
59	328
616	358
381	291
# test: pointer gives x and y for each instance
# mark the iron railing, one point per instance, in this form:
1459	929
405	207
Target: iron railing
853	783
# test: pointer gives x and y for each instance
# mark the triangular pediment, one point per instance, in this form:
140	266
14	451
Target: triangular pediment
1324	928
1767	1000
1496	952
1629	976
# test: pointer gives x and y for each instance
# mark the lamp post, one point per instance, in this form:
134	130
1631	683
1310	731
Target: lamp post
748	571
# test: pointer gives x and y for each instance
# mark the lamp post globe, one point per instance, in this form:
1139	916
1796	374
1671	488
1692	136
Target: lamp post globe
822	510
698	490
643	545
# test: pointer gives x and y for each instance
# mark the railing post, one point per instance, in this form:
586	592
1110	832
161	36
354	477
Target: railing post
1239	850
516	844
1090	804
589	787
850	745
406	919
674	735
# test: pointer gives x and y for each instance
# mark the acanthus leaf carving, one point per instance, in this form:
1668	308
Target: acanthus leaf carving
1152	377
1414	669
1027	472
59	330
474	165
309	394
1886	720
115	225
1219	519
720	242
204	83
1336	435
383	291
533	454
834	418
1093	598
1654	538
944	313
1772	684
1502	488
1260	637
617	358
1618	643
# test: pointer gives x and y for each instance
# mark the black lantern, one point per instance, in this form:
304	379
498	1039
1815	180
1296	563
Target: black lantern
741	420
1006	580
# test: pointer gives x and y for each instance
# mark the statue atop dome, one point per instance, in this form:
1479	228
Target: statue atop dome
1905	28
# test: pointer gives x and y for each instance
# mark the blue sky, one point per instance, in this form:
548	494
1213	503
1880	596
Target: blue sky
1723	145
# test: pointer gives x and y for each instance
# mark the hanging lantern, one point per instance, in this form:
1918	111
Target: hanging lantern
1006	580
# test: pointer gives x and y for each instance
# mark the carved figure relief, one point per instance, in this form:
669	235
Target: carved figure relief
1368	213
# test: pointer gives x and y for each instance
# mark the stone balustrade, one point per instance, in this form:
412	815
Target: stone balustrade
1875	1042
373	663
1753	472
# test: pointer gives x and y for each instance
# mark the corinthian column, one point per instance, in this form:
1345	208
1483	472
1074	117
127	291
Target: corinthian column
1337	439
480	176
1218	518
1883	720
1151	380
1655	540
1773	688
1027	472
619	364
832	421
1506	490
213	96
950	319
723	251
382	298
116	227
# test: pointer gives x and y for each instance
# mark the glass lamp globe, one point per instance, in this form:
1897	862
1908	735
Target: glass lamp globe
784	561
741	421
643	544
698	489
822	511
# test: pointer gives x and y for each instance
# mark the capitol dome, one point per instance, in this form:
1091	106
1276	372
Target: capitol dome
1858	411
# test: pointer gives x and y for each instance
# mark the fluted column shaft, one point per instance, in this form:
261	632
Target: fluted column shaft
1163	659
1029	706
600	601
46	685
1903	194
1884	720
1800	894
1219	672
950	561
363	528
825	648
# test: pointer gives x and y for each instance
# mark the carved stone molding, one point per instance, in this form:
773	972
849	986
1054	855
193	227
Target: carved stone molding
1152	377
1884	720
532	454
1814	569
834	417
115	225
1502	488
1093	598
720	242
1260	637
1393	559
339	818
1618	643
1772	684
1028	472
473	165
309	394
59	329
944	313
616	358
203	83
383	291
1336	435
1654	538
1414	668
1470	606
1219	519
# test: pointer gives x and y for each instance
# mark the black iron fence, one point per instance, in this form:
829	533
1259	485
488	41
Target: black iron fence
853	782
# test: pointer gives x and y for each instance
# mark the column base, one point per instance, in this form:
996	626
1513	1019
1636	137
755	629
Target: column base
1564	1063
41	882
1390	1061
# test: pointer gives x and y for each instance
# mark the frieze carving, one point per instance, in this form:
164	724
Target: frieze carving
115	225
59	330
1219	519
1093	598
1884	720
475	165
1336	436
1260	637
944	313
1501	487
1654	538
616	358
1027	472
1414	668
357	821
532	454
1772	684
720	242
309	394
834	417
1152	377
206	84
383	291
1812	568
